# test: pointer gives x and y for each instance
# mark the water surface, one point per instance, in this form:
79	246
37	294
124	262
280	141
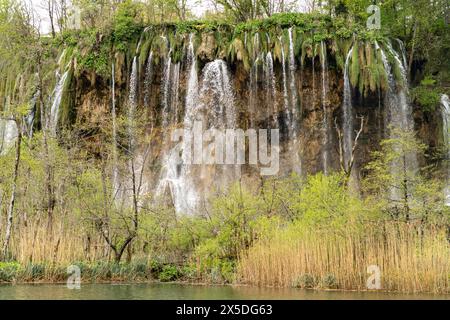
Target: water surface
187	292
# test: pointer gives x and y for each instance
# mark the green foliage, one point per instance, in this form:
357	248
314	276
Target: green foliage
329	282
127	24
9	271
428	94
324	202
305	281
169	273
394	185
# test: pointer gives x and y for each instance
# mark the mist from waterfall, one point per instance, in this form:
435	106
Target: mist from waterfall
445	102
347	112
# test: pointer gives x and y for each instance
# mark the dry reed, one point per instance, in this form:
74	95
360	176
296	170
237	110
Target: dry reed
410	260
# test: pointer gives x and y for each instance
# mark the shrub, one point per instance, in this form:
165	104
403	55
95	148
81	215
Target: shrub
169	273
305	281
329	282
8	271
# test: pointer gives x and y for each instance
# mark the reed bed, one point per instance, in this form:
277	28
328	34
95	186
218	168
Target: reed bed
63	244
411	260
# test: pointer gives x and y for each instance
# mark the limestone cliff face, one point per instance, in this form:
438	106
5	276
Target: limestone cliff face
93	107
262	92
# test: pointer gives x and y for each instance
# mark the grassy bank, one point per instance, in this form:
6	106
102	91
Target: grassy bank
96	272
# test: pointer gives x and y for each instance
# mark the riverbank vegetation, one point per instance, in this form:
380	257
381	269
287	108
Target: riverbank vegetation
58	201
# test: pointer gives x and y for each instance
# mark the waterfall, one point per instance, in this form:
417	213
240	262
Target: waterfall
293	83
219	108
30	117
148	80
399	111
326	127
166	90
8	134
256	46
132	102
217	87
287	112
56	101
293	146
270	87
445	101
348	112
177	177
175	89
115	169
254	91
403	50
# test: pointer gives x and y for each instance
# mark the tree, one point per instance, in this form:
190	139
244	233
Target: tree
393	173
347	165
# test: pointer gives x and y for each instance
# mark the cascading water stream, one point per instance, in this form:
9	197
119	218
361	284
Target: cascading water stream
326	126
293	147
293	83
270	87
219	107
403	50
30	117
287	112
166	90
399	109
254	79
254	91
175	89
175	176
148	80
445	101
56	101
132	103
399	113
347	112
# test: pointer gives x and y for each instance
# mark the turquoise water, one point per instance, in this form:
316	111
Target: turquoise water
186	292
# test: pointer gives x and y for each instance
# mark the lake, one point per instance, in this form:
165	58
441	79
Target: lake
187	292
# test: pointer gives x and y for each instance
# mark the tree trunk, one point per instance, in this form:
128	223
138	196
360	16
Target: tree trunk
9	219
413	50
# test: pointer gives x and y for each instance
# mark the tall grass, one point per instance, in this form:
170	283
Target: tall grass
410	260
63	244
